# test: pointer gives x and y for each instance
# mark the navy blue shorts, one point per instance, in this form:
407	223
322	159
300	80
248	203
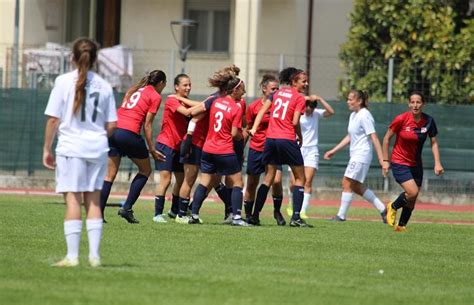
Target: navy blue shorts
193	158
403	173
172	159
127	143
282	151
224	165
255	164
239	147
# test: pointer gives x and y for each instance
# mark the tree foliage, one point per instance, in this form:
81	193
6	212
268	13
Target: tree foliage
431	41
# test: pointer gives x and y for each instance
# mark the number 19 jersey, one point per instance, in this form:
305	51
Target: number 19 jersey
132	112
285	102
224	113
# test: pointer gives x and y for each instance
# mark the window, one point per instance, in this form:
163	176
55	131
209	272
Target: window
212	32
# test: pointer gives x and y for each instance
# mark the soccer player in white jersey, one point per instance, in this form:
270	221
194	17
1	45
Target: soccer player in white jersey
309	123
361	135
81	110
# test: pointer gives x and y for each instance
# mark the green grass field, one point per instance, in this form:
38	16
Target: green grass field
334	263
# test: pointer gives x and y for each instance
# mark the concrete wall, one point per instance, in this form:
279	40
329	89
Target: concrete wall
41	21
330	27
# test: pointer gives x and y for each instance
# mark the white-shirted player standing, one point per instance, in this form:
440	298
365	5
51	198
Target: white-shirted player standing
309	123
81	110
361	135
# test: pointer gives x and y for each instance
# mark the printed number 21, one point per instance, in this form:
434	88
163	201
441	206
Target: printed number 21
95	96
280	106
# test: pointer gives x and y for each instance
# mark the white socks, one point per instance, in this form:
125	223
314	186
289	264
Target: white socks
306	198
370	197
72	232
346	199
94	234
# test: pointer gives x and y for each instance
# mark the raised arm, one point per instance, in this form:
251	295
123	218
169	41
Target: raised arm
329	110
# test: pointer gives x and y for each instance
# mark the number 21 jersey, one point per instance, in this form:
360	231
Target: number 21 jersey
285	102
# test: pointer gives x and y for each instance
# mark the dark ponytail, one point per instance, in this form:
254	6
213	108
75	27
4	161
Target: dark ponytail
153	78
363	96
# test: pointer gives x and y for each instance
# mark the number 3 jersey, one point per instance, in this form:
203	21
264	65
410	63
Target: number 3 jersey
82	134
285	102
224	113
132	112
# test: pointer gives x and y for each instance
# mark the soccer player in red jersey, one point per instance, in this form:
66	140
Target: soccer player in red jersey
218	156
281	146
139	107
255	165
168	141
411	129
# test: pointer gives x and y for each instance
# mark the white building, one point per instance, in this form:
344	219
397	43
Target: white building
259	36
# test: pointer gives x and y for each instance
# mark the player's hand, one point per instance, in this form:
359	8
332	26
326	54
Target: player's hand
158	156
48	160
185	148
328	155
385	168
439	170
252	132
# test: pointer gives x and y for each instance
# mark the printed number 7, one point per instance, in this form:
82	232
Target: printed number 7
95	96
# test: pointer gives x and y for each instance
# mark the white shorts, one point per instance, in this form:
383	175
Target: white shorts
357	170
310	156
79	174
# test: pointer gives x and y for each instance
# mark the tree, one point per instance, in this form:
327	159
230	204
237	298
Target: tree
431	41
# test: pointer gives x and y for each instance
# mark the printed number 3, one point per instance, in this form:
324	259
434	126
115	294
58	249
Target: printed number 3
95	96
218	121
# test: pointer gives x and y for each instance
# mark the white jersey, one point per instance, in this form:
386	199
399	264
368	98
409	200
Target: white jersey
310	127
82	134
361	126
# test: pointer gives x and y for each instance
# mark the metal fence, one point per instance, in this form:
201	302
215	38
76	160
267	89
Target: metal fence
37	69
22	123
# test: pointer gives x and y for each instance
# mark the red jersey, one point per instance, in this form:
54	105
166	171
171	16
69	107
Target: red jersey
174	126
285	102
200	132
223	115
257	142
132	113
410	137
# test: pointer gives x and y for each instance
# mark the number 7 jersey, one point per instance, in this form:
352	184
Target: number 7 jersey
224	113
285	102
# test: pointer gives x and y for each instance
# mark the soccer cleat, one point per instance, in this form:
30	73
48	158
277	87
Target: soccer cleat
94	262
303	215
254	220
159	219
401	229
337	219
384	216
391	214
67	262
195	220
240	223
128	215
289	209
182	219
172	214
300	223
279	218
228	220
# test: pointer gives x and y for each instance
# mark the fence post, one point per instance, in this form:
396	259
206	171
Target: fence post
389	100
281	62
172	63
